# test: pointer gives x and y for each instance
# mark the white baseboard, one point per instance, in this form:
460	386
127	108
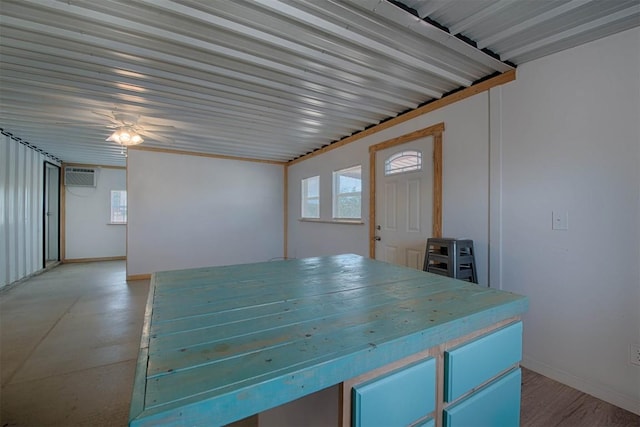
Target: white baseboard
597	390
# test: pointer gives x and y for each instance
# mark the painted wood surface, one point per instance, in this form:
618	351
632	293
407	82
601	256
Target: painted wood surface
497	404
399	398
223	343
476	362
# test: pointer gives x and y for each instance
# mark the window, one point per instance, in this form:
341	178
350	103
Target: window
118	207
311	197
347	193
404	161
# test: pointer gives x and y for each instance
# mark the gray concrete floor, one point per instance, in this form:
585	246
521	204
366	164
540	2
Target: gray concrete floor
69	344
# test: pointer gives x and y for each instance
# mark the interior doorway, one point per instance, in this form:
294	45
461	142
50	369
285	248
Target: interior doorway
405	196
403	202
51	214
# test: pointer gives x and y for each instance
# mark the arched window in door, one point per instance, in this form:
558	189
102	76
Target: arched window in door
403	161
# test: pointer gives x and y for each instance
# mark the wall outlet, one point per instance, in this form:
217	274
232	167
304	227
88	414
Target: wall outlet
560	220
634	354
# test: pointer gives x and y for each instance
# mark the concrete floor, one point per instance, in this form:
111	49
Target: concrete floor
69	344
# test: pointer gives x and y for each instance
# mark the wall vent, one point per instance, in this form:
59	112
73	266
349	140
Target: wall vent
80	177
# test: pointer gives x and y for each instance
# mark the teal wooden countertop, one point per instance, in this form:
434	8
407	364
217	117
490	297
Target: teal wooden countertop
223	343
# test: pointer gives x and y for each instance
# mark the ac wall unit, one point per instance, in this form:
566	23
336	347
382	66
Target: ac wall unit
80	177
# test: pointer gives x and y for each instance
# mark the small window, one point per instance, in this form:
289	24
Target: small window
404	161
311	197
118	207
347	193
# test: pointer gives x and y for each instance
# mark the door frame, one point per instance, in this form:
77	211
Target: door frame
434	131
45	195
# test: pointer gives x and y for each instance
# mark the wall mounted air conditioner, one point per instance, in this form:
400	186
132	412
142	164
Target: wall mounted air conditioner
80	177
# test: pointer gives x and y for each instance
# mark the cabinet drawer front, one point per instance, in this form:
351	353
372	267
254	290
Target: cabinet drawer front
473	363
497	404
399	398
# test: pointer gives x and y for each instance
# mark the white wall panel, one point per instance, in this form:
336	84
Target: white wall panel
571	143
88	233
21	219
191	211
4	220
21	205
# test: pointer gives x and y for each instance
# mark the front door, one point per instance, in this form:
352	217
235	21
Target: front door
404	187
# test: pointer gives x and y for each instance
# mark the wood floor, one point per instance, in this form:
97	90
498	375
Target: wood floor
69	342
547	403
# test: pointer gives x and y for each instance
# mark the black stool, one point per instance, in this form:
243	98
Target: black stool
452	258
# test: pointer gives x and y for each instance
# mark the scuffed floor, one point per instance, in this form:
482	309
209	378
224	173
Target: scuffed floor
69	345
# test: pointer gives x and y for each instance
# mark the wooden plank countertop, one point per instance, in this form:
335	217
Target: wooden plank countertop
223	343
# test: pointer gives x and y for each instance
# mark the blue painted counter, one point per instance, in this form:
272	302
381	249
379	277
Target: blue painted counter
222	343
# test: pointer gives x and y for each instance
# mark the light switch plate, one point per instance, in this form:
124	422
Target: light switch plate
560	220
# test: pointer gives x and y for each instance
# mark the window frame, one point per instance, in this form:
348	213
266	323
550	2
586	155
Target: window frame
113	216
305	197
337	195
414	154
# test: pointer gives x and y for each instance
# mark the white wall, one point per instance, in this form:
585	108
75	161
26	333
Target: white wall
191	211
564	136
465	185
88	233
21	210
571	142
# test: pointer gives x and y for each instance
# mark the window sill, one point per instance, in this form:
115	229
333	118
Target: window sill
333	221
116	223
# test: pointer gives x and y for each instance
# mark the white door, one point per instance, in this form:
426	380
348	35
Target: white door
404	202
51	209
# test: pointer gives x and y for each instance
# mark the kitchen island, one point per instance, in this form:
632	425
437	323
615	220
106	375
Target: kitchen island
221	344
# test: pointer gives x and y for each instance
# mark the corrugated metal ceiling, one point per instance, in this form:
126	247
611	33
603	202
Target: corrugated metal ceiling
263	79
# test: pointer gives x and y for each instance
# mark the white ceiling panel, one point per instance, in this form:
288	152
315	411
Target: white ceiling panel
263	79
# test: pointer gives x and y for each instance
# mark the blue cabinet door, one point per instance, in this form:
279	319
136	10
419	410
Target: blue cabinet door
471	364
497	404
397	399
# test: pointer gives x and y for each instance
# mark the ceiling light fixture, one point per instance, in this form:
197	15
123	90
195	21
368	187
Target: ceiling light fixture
126	136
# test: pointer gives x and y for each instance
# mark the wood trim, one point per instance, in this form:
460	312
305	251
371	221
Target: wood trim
214	156
286	212
138	277
109	258
93	166
437	186
372	203
477	88
126	230
63	215
440	379
331	221
434	131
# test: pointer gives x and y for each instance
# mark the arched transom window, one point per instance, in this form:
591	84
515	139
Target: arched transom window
404	161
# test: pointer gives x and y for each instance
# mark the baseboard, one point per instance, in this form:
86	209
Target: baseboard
595	390
139	277
108	258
